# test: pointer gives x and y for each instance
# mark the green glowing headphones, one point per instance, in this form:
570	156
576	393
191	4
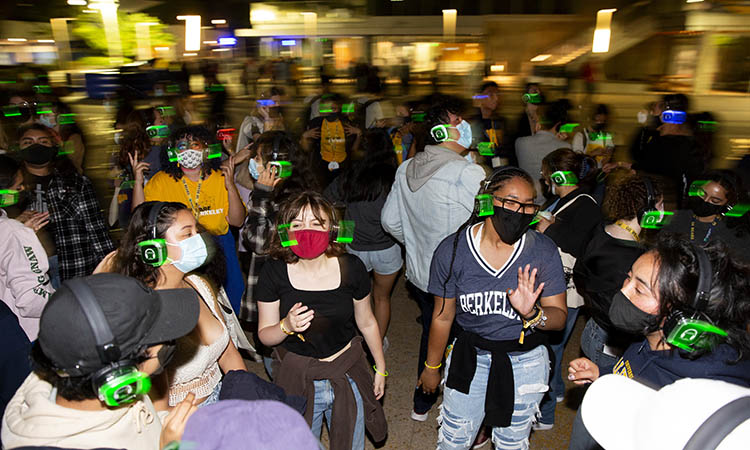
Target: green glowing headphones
691	329
154	251
119	382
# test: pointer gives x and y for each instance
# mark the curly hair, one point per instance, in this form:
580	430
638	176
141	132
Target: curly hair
191	132
134	139
627	198
677	283
71	388
127	260
321	208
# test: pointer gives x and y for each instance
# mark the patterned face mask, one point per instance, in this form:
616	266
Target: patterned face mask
190	159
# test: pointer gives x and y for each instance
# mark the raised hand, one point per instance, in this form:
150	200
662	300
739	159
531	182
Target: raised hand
523	298
269	177
36	220
312	133
227	169
174	424
299	318
351	129
139	167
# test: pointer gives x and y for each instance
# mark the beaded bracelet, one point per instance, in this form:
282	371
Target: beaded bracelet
379	372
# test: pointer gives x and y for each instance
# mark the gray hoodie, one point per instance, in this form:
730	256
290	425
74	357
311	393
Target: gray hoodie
432	196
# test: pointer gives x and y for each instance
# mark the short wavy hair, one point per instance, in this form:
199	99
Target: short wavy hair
627	198
194	132
321	208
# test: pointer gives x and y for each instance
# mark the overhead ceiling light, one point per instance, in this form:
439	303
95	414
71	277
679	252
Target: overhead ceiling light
161	49
218	21
46	41
210	42
16	40
497	68
221	49
540	58
189	54
77	2
90	11
602	32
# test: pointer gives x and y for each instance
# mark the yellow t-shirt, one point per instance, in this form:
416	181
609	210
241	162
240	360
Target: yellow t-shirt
213	203
332	141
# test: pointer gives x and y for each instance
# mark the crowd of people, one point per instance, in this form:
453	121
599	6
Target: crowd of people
229	246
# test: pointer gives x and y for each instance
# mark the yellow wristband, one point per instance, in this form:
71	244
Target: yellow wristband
281	325
379	372
432	367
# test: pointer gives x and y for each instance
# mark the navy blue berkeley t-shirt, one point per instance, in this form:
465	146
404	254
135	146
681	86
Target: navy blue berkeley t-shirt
482	303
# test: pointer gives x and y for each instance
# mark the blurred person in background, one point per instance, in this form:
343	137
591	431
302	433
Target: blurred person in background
58	116
207	187
596	140
706	219
401	132
673	154
531	150
266	117
24	284
604	265
362	192
489	126
331	140
526	124
76	238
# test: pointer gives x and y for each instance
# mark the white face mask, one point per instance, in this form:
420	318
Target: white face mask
190	159
464	128
194	253
118	137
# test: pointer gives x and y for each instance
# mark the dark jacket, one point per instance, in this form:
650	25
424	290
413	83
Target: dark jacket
575	224
243	385
600	272
296	374
660	368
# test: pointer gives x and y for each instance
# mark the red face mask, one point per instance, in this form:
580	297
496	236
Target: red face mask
310	243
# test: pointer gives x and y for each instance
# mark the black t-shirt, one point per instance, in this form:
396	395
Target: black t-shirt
683	221
38	187
575	224
600	271
333	326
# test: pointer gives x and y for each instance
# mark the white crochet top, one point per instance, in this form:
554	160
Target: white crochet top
195	367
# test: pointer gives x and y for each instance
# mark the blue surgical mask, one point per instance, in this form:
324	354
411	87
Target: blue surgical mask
48	120
253	167
194	253
465	129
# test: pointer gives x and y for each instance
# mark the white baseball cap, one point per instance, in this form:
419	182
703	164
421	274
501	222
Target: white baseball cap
623	414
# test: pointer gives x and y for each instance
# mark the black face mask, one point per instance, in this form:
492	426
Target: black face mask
704	209
599	126
165	355
509	225
332	117
38	154
627	317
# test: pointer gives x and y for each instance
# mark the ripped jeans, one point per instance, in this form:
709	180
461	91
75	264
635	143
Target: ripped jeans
461	415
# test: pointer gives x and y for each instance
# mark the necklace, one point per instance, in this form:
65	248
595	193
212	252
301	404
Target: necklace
627	228
708	233
195	207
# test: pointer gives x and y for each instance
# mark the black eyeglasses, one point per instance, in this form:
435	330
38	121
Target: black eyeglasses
516	206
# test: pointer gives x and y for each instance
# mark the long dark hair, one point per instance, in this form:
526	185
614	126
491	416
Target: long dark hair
567	160
373	176
127	260
677	282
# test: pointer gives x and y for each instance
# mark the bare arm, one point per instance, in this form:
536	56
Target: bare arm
269	325
231	359
368	326
440	328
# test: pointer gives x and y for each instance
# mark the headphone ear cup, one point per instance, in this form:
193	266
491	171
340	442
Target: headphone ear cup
153	252
120	384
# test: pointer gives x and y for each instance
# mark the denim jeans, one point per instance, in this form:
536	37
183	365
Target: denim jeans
580	438
461	415
593	340
54	271
426	301
558	341
324	406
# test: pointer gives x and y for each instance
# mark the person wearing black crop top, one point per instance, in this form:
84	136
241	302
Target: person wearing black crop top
312	297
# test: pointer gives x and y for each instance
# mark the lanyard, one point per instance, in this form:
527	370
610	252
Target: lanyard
708	233
627	228
194	206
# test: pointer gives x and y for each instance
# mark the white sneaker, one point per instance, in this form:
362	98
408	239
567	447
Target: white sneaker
419	417
539	426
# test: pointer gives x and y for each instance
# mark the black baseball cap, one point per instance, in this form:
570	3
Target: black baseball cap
137	315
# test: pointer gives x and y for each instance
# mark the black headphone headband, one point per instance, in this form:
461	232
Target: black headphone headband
106	345
153	216
705	273
650	195
276	143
